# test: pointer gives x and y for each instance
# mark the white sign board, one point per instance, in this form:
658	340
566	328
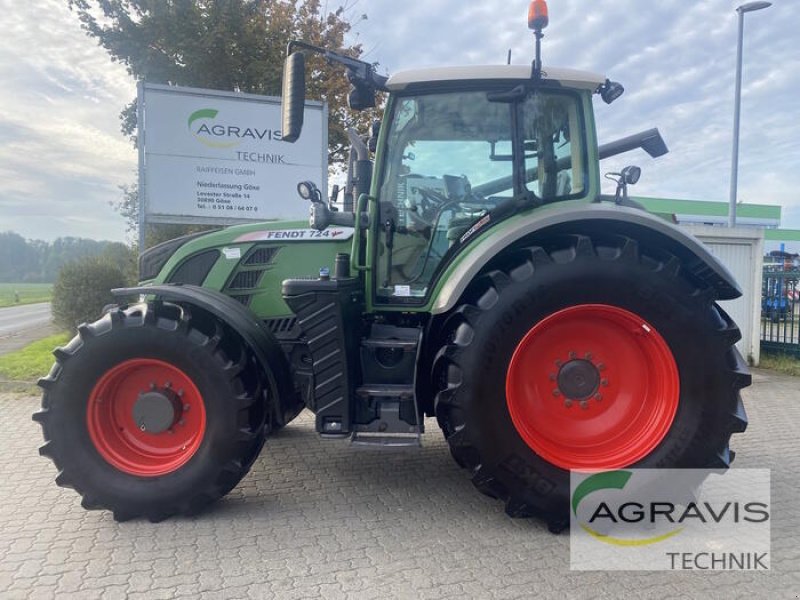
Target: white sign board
217	157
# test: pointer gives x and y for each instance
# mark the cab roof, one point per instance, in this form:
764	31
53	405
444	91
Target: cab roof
567	77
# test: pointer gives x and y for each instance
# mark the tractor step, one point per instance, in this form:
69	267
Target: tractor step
397	421
379	440
387	414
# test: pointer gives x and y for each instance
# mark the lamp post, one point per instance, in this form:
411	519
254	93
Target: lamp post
744	8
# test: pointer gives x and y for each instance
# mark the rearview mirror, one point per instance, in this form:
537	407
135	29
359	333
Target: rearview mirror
361	97
294	96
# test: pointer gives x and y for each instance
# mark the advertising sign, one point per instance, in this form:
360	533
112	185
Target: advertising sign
217	157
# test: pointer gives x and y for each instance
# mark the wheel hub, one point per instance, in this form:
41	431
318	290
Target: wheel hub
612	365
578	379
146	417
157	411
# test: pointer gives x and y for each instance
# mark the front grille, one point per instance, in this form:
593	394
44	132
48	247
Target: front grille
153	259
245	280
195	269
261	256
242	298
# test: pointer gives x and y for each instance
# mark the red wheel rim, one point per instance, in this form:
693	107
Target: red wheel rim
620	374
119	431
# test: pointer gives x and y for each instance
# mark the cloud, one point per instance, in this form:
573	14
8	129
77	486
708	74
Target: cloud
676	60
62	156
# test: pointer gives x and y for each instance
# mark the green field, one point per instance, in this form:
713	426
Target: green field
29	293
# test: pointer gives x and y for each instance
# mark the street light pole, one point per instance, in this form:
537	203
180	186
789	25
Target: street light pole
744	8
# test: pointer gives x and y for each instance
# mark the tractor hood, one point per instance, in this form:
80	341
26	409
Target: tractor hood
247	262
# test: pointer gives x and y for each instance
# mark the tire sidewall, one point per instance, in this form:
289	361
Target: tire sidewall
668	304
187	351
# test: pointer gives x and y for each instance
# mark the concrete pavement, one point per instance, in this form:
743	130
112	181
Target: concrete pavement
21	325
318	519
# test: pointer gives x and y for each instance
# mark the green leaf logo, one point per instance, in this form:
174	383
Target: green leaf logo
615	480
203	133
203	113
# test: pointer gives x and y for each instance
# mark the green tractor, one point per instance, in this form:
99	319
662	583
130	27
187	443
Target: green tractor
475	273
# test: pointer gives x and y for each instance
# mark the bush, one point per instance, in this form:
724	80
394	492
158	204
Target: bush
83	289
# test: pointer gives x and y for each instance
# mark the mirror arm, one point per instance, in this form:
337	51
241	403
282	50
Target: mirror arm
359	172
361	70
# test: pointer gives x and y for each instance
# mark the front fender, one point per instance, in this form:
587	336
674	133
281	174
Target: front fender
250	329
588	219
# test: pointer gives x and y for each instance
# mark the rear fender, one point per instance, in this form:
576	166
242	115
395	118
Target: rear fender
247	326
587	219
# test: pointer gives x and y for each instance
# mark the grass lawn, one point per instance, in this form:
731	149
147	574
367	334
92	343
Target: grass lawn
29	293
782	363
33	361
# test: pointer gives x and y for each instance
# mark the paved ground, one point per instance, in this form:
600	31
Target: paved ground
21	325
317	519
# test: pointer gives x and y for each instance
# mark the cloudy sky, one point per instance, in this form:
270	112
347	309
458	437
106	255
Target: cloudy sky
63	158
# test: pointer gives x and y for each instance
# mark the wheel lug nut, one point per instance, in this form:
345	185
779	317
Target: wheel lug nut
152	386
568	403
186	407
552	377
601	367
598	397
142	427
604	382
588	356
181	422
168	385
556	393
584	404
180	392
573	354
559	363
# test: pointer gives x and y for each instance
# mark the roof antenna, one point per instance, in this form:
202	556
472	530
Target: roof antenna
508	62
538	20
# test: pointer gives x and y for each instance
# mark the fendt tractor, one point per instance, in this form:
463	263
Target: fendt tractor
472	271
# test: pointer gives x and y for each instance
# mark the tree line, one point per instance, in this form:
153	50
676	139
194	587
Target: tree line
37	261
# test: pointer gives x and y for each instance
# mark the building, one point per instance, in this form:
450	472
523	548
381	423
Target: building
706	212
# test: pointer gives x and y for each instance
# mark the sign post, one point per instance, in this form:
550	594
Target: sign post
211	157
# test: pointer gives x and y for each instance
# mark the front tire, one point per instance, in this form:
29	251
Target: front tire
585	353
152	412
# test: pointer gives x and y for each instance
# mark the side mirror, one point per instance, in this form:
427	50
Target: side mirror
631	174
294	96
361	97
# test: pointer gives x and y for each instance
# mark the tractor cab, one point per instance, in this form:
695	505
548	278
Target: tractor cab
465	148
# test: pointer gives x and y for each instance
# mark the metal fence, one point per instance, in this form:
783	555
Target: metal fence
780	310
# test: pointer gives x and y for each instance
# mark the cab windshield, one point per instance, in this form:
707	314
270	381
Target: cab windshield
455	160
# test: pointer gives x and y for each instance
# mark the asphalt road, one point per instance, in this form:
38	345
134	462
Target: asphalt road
21	325
319	519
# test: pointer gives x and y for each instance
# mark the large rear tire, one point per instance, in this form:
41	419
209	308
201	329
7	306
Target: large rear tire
152	412
585	353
